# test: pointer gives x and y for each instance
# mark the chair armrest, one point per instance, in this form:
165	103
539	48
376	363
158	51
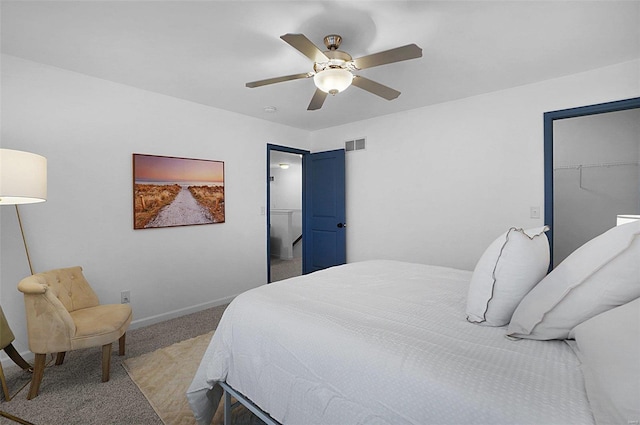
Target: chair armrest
32	285
50	327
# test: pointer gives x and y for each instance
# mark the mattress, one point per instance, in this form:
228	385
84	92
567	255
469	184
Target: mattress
383	342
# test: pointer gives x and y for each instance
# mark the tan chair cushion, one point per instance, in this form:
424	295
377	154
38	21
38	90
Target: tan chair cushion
100	325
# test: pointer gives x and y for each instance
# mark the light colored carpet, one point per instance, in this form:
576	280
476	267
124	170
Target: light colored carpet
164	375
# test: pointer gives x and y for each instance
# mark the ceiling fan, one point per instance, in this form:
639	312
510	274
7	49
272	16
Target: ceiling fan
333	69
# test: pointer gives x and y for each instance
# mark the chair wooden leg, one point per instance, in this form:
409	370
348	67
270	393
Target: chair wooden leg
7	397
121	343
106	362
14	418
5	389
38	372
60	358
16	357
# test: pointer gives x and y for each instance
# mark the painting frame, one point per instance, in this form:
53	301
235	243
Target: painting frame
171	191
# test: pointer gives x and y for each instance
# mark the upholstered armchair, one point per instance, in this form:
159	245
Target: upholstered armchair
64	314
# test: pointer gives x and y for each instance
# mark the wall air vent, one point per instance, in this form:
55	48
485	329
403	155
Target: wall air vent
355	145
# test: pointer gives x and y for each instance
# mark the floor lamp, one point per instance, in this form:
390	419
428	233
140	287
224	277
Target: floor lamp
23	180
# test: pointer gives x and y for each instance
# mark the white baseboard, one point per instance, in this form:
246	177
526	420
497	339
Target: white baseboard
178	313
29	356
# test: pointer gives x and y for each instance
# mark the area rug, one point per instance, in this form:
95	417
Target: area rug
164	376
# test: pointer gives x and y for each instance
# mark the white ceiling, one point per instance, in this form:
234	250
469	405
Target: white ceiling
205	51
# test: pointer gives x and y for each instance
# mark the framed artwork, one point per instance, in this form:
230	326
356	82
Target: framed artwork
170	191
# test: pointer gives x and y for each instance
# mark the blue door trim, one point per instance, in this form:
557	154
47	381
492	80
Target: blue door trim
549	118
272	147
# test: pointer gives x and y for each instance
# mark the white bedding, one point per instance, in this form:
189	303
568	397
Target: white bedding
383	342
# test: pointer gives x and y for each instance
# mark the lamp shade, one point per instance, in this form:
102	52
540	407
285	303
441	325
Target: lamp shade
333	80
23	177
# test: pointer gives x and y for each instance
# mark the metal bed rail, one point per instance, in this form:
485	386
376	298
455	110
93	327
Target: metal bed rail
228	392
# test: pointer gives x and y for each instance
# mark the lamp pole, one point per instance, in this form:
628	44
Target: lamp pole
24	240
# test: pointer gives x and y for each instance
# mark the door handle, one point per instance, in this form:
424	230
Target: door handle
341	225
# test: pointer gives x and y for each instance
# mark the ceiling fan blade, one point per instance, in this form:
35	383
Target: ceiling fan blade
278	79
317	100
305	46
410	51
375	88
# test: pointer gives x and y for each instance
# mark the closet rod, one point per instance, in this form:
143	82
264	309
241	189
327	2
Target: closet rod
604	164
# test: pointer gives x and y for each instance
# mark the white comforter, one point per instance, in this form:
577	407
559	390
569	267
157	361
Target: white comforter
383	342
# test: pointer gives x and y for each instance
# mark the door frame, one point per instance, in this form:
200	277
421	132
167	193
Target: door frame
286	149
549	118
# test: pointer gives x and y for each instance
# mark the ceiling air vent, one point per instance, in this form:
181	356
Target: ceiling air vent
355	145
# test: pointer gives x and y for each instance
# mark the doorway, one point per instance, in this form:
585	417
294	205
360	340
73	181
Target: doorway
284	212
591	171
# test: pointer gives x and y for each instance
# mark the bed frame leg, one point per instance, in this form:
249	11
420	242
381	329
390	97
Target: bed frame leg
227	408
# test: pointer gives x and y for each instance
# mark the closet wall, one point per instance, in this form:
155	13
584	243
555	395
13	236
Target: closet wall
596	176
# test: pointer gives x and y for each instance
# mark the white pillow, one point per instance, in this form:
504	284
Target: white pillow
512	265
602	274
607	346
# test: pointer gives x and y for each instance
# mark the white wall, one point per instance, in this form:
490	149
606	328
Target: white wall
437	184
88	128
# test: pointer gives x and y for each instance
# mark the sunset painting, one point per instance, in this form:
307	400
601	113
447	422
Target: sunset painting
170	191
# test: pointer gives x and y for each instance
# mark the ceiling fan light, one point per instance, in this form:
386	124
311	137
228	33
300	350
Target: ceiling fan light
333	80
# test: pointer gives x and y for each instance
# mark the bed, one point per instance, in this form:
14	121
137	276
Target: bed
386	342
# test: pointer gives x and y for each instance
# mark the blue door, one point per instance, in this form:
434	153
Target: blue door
324	228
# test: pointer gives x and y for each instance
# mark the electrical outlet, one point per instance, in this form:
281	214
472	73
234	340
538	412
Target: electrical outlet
125	297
